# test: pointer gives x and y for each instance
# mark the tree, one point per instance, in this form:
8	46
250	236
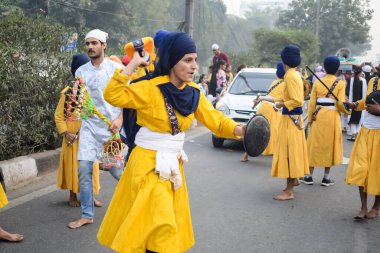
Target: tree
33	72
342	23
268	44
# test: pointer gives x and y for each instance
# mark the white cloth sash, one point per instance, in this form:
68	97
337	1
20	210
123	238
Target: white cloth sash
169	150
327	100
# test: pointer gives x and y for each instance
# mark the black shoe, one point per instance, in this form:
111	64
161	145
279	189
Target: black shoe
307	180
351	139
327	182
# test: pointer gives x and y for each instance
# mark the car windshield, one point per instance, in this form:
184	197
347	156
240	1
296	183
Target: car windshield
252	83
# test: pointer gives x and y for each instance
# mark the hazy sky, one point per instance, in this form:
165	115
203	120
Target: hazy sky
233	7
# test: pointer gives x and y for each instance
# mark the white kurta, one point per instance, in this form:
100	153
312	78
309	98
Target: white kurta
94	131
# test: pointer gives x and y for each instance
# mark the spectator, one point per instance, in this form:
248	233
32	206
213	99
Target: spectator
240	67
229	74
221	78
319	72
219	55
202	82
358	89
367	72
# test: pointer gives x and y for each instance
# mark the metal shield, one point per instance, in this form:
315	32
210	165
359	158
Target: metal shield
256	136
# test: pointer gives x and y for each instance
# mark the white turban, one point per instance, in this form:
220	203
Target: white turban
97	34
214	47
318	68
367	68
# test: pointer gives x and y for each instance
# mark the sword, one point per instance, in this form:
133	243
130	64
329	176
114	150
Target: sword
315	75
336	98
256	103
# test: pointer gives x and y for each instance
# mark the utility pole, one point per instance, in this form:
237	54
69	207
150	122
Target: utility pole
189	14
317	21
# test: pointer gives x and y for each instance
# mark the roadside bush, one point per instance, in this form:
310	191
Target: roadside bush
33	70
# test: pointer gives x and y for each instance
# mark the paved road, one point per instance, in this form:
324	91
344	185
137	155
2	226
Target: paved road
231	204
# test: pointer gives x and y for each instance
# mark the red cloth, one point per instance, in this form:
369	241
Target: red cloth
221	56
125	60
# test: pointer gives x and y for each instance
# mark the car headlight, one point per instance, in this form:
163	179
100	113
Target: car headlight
223	108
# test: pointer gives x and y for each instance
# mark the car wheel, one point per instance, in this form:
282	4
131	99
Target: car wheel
217	142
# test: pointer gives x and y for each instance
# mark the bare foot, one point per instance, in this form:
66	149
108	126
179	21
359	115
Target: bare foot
4	235
79	223
98	203
244	158
73	201
296	182
372	214
286	195
362	214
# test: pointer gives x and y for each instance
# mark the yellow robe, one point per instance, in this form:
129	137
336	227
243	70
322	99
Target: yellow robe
145	212
3	197
364	166
290	153
324	143
273	117
68	163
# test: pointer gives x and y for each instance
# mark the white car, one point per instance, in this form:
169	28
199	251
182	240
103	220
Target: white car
237	100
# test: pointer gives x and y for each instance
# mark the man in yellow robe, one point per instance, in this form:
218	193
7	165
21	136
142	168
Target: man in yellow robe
68	125
364	166
324	143
5	235
290	154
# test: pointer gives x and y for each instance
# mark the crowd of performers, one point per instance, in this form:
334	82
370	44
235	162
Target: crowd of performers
153	100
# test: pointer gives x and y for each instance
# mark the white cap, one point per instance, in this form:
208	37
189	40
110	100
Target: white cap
97	34
367	68
214	46
319	68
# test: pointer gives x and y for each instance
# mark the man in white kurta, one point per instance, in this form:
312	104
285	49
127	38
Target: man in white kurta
94	131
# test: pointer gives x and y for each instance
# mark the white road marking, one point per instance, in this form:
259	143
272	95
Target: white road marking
28	197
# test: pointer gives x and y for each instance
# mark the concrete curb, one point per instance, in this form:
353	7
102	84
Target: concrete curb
25	168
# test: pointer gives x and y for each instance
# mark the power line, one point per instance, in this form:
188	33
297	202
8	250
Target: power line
113	14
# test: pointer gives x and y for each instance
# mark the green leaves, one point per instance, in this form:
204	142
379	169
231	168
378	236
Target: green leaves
32	76
340	23
269	43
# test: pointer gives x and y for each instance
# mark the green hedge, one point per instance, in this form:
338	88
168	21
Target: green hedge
33	70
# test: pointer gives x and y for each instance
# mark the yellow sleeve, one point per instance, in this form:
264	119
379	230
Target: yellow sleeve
279	91
119	94
59	115
215	120
361	103
313	101
295	93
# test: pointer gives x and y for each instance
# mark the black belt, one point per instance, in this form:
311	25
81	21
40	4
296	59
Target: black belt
325	104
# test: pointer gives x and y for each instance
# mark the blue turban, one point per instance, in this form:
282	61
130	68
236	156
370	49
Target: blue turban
78	60
160	34
291	56
331	64
173	47
280	72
